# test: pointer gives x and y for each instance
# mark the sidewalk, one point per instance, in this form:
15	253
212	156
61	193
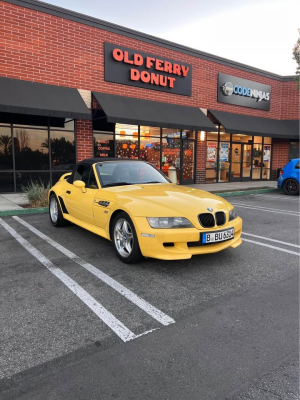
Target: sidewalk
15	201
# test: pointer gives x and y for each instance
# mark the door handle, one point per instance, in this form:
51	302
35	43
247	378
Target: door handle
68	192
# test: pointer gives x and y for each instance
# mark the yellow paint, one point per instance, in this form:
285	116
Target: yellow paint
152	200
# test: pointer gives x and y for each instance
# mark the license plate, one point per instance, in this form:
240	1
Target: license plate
219	236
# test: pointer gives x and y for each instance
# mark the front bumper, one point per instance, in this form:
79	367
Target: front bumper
154	246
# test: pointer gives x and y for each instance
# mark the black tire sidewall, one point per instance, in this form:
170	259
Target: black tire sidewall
286	191
136	254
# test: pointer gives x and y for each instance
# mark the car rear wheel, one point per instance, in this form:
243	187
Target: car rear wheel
291	187
125	239
55	213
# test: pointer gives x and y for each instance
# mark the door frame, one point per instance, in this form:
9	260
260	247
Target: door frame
187	181
240	178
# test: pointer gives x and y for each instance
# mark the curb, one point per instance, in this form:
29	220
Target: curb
243	192
40	210
43	210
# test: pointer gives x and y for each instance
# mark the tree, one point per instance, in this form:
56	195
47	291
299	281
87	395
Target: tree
5	142
296	57
23	138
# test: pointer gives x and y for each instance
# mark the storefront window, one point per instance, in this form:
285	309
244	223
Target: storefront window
242	138
104	144
257	139
186	134
188	160
63	155
150	150
267	140
6	159
212	136
127	141
256	161
171	154
150	131
224	137
31	149
62	123
266	162
294	150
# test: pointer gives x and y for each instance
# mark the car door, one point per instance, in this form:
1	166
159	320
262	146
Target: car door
297	171
79	202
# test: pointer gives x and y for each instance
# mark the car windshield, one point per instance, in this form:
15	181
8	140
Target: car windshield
119	173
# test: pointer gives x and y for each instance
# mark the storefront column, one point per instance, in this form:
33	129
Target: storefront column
280	155
84	139
200	158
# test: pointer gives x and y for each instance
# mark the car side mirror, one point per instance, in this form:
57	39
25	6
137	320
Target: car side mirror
80	185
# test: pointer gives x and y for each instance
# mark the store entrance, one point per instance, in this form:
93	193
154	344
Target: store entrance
241	162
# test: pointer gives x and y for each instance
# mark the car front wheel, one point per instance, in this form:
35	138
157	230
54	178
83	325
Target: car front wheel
291	187
55	213
125	239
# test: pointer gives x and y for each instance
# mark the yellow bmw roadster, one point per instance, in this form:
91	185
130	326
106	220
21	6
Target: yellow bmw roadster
135	206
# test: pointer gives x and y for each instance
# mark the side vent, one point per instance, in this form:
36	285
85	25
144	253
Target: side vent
63	206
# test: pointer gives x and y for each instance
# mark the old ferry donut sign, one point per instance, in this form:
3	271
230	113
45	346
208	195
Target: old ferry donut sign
136	68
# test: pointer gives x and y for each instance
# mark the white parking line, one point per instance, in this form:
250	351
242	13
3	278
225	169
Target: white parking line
241	205
283	197
111	321
271	240
155	313
271	247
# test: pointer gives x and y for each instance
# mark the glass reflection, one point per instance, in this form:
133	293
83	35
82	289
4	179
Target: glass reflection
150	150
31	149
6	159
104	145
62	150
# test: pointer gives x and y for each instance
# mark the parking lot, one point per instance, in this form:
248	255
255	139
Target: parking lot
78	323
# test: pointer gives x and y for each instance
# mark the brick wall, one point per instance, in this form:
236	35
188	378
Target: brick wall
38	47
280	155
84	139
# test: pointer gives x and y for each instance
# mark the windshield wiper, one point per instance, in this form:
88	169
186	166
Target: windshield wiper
117	184
145	183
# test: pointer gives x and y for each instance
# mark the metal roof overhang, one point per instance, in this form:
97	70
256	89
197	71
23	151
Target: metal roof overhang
135	111
257	126
24	97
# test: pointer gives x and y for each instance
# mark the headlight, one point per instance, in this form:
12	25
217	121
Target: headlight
232	214
169	222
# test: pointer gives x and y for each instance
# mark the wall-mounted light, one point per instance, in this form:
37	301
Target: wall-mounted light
122	133
202	136
135	133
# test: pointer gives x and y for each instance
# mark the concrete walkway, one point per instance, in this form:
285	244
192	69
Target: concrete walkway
15	201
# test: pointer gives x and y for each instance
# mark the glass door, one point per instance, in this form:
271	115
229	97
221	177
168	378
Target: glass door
236	162
188	162
246	170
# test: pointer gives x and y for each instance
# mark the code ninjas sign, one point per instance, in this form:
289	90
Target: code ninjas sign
136	68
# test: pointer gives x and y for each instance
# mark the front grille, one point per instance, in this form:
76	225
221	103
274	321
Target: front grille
220	218
206	220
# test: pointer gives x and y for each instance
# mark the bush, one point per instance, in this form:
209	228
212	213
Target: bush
36	193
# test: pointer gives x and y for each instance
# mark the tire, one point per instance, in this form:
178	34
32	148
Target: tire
125	239
55	213
291	187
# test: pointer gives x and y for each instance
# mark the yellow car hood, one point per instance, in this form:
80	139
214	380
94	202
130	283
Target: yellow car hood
163	200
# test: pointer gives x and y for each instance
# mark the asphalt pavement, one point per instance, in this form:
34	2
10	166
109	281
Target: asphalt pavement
77	323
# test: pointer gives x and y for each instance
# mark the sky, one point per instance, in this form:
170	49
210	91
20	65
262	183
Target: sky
259	33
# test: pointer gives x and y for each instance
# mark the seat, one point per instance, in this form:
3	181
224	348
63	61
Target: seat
121	174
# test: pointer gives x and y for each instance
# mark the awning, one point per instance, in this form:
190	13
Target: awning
247	125
134	111
23	97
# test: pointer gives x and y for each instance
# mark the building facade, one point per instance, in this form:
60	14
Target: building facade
75	87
